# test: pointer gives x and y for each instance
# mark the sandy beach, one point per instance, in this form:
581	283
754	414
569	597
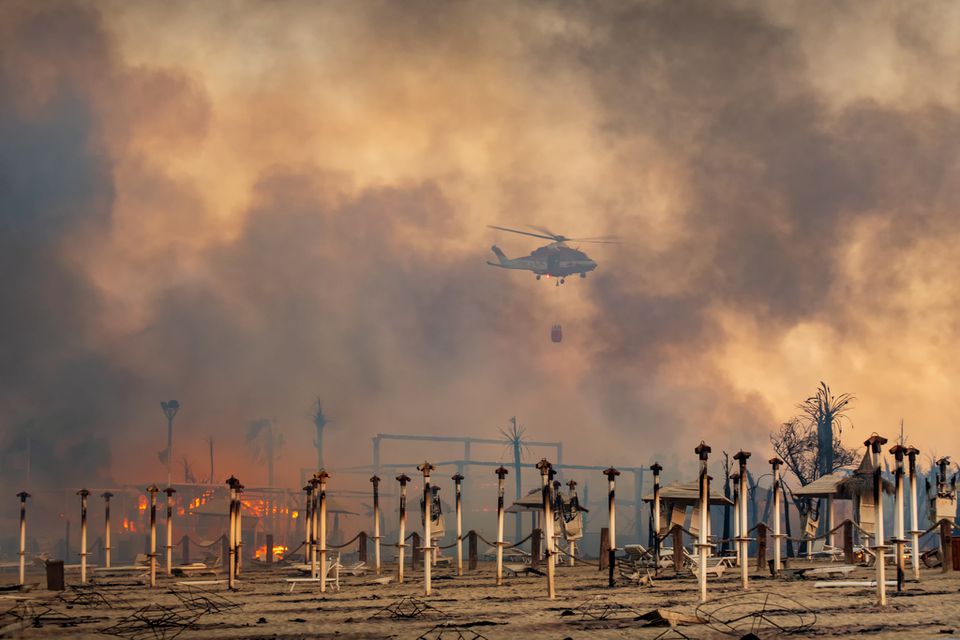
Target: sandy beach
464	606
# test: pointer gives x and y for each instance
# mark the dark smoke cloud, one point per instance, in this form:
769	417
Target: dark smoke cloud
363	291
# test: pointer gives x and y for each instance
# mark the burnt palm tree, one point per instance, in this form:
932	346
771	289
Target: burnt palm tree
828	413
320	422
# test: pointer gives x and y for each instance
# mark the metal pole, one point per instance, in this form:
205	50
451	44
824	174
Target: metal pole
914	529
170	491
703	452
544	468
899	540
572	545
656	468
401	544
106	528
83	493
375	480
735	477
777	536
457	479
743	541
611	474
23	495
153	489
874	443
426	468
322	478
501	472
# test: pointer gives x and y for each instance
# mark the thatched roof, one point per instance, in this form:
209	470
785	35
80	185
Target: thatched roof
686	493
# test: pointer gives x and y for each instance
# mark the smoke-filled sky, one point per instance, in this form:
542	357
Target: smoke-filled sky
247	205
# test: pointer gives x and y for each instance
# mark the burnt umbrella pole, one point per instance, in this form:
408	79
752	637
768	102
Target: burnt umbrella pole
232	483
376	521
403	479
314	526
153	490
703	546
501	473
612	474
106	527
307	523
238	523
544	468
656	468
23	495
169	491
322	478
84	494
425	469
457	480
873	444
777	508
743	540
914	530
572	545
899	540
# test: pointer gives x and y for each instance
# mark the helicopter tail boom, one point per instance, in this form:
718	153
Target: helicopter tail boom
504	261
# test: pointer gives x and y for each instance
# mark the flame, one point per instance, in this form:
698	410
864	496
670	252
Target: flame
278	552
295	514
142	503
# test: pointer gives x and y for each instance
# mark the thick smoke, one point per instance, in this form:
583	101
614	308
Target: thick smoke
247	229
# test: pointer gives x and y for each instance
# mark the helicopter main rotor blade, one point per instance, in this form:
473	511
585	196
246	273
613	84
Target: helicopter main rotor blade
599	239
556	236
523	233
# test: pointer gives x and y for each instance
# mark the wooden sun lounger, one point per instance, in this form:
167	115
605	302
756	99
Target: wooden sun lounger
715	566
516	569
839	571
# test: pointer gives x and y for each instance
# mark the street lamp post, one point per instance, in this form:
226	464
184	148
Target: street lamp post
23	495
743	540
914	531
501	472
703	452
170	408
425	469
458	479
403	479
375	480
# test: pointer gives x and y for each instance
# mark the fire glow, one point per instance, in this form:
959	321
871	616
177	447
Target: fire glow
278	552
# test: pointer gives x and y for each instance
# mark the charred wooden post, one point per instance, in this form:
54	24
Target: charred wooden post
401	542
914	525
83	493
743	540
572	545
501	472
703	546
238	522
232	484
185	551
321	477
657	542
735	478
457	479
898	530
544	467
677	534
314	525
945	530
472	550
375	481
268	549
23	495
425	469
307	523
762	546
873	444
848	542
536	547
777	517
106	528
152	490
611	474
416	550
170	491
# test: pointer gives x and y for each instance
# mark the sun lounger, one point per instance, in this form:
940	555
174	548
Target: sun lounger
333	574
839	571
516	569
715	566
195	568
356	569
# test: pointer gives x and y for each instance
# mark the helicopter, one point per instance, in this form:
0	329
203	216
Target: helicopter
555	260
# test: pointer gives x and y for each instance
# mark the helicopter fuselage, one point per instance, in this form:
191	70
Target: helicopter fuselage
554	260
